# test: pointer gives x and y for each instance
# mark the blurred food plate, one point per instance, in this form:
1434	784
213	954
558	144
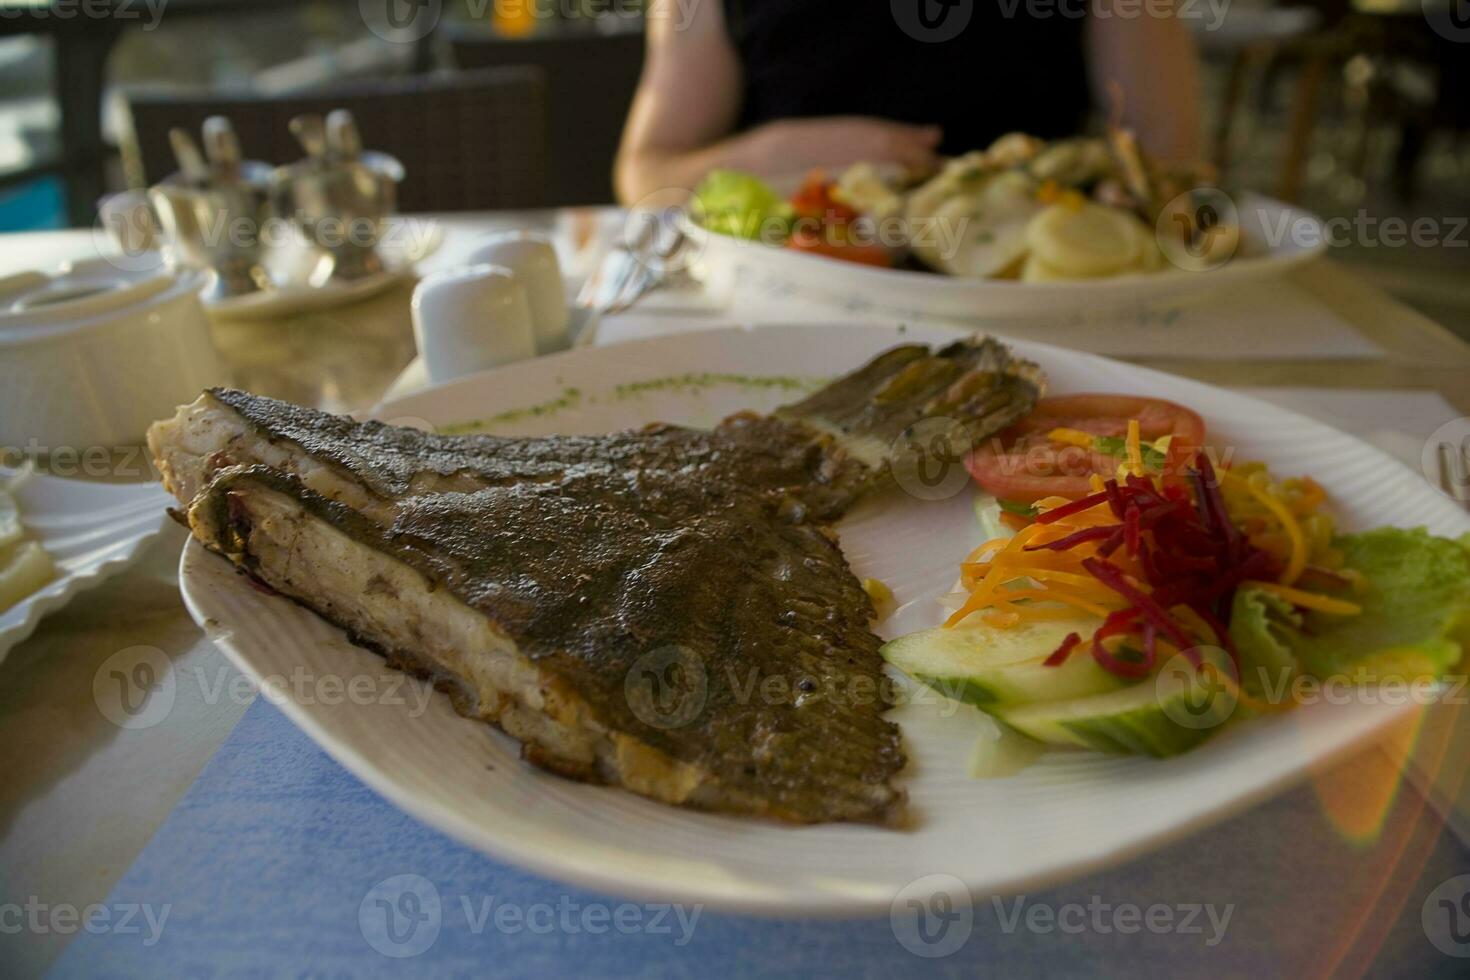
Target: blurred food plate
1274	239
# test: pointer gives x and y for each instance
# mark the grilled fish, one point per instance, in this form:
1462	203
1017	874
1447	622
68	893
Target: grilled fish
664	609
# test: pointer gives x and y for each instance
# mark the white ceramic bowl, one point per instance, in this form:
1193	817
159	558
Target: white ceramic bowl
1277	238
93	354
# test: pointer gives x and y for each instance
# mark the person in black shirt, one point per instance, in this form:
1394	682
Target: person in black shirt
782	86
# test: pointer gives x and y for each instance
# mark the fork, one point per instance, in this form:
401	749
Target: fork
636	266
1454	476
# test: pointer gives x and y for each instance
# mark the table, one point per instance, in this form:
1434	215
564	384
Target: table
81	798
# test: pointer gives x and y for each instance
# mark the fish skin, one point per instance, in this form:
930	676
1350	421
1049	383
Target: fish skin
591	554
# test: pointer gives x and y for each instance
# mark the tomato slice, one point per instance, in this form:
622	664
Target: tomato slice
1021	464
832	246
814	201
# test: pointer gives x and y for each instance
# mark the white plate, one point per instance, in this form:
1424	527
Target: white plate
92	531
1276	236
1070	813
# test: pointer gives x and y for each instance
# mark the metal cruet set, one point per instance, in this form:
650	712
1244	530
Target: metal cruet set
261	228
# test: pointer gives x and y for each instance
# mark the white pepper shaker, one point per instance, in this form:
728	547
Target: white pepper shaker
471	318
532	259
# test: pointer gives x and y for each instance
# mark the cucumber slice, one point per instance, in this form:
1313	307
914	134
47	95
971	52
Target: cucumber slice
1160	716
987	514
987	666
1002	752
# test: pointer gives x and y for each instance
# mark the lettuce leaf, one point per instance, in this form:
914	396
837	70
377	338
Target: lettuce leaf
1264	627
739	204
1415	622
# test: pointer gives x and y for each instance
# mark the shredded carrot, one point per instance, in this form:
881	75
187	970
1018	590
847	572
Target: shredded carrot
1070	437
994	544
1050	503
1307	600
1311	497
1298	560
1135	449
1196	624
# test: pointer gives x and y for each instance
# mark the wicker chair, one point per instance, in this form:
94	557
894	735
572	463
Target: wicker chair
468	140
590	80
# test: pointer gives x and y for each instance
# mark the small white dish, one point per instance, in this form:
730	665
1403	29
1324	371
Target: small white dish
91	530
91	355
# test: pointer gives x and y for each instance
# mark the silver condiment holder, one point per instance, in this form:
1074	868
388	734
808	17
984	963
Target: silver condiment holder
339	195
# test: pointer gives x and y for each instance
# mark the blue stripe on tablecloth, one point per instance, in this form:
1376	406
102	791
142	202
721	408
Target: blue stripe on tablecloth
265	864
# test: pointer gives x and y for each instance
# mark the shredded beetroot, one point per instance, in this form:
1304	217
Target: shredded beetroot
1059	656
1074	539
1112	576
1075	507
1117	665
1189	552
1118	622
1207	484
1131	530
1114	541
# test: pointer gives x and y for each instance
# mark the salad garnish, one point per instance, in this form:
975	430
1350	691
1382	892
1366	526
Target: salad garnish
1157	552
1161	568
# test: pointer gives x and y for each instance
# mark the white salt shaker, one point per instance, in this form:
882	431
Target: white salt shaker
532	258
471	318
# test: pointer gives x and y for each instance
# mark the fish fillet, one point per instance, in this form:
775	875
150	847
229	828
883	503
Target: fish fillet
665	610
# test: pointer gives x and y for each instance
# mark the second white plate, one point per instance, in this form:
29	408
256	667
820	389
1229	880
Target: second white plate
1277	237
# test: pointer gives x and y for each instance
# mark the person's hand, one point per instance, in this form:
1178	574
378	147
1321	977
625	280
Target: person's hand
792	145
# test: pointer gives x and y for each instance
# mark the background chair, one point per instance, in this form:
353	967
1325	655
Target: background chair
468	141
590	80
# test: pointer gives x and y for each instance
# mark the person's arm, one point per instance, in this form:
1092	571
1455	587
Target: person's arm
688	102
1154	63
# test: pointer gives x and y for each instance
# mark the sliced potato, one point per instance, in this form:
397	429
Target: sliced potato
863	187
1151	258
981	233
10	531
1035	270
1086	241
24	568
